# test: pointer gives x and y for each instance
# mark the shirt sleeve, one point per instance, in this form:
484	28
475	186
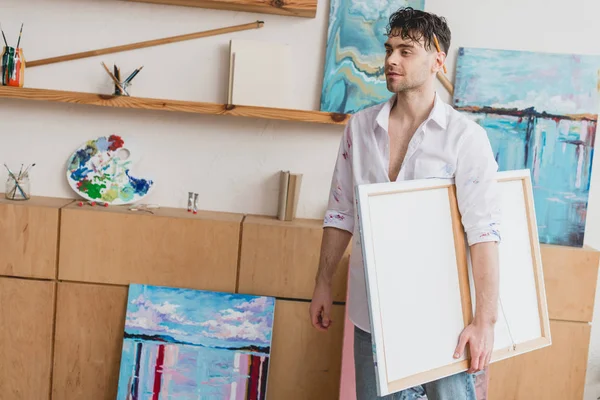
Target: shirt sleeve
340	208
477	188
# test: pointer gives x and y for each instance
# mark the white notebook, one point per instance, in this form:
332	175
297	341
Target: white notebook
260	74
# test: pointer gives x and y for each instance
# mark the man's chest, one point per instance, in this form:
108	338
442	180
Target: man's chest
406	158
398	147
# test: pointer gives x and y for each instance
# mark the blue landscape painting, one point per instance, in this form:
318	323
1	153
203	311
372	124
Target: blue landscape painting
540	113
193	344
354	78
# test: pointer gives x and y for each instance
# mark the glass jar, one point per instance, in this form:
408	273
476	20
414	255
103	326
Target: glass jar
13	67
17	189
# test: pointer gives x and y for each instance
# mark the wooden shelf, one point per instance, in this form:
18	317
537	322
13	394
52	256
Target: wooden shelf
297	8
172	105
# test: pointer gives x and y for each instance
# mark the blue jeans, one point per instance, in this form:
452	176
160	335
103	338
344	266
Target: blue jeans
457	387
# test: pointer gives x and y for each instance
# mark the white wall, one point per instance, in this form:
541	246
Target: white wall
232	162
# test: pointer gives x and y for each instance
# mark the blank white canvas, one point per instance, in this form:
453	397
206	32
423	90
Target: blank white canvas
411	271
423	298
518	314
261	74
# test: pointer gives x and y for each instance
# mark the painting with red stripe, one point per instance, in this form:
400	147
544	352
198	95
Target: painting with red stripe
195	344
101	170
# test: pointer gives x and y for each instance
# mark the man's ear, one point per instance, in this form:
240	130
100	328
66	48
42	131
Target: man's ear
440	59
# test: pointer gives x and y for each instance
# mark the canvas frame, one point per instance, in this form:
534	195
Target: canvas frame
364	193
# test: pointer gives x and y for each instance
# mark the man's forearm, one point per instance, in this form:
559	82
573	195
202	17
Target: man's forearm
484	261
334	243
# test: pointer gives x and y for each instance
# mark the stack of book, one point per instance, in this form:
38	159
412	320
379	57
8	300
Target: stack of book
289	192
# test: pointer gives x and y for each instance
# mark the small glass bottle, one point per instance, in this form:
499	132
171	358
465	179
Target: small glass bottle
17	189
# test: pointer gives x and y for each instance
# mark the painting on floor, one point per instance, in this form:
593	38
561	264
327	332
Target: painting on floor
353	78
540	113
184	344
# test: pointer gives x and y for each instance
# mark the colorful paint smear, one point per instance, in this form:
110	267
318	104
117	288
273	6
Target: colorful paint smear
13	67
354	61
193	344
98	172
540	113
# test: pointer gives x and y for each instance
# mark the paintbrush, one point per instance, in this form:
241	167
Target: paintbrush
26	172
20	33
133	74
5	42
114	79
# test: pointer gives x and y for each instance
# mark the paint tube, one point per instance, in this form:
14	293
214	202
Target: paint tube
190	201
195	203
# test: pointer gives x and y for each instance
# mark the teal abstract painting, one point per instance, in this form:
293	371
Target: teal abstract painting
540	113
353	77
194	344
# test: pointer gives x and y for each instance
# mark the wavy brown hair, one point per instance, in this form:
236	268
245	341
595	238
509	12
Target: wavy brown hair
415	25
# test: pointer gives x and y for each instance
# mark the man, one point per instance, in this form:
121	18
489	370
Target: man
412	136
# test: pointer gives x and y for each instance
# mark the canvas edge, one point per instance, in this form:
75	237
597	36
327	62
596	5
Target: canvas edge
537	257
362	200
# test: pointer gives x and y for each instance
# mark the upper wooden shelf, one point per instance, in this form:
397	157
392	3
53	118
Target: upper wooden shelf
297	8
172	105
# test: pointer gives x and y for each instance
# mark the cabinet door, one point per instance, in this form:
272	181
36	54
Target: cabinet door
26	324
90	320
554	372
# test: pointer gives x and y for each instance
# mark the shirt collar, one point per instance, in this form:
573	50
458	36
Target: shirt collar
437	114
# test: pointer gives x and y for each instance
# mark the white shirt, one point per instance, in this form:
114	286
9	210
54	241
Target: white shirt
446	145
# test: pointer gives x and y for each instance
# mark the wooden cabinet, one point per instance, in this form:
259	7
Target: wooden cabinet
281	258
90	321
26	324
170	248
305	362
557	371
101	250
29	236
554	372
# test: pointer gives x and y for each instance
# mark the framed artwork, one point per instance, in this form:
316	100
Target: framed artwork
183	343
540	113
353	77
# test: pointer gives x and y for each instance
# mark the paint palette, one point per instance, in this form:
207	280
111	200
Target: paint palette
100	170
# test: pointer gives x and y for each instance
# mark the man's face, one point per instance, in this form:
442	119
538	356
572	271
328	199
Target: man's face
407	64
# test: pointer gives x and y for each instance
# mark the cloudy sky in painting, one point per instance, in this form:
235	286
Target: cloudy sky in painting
555	83
200	317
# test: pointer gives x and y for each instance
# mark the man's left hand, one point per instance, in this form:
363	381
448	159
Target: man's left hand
480	336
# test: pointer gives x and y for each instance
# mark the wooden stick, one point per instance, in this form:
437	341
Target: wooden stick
446	83
149	43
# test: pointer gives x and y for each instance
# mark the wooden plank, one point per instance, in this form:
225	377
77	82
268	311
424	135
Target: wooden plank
29	236
26	324
172	105
90	321
570	276
281	258
554	372
171	248
144	44
297	8
305	363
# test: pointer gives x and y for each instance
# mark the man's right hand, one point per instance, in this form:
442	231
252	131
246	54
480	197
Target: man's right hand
320	306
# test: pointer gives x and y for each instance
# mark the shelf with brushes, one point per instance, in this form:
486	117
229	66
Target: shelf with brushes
172	105
294	8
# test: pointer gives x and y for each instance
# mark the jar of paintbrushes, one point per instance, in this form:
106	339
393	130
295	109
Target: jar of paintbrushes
18	185
12	63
